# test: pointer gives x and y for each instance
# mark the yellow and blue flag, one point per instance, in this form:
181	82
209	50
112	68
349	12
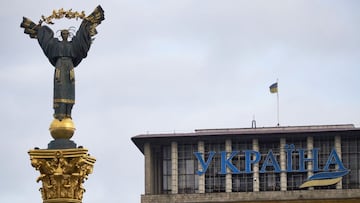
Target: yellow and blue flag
274	88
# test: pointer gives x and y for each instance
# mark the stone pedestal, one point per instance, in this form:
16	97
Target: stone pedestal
62	173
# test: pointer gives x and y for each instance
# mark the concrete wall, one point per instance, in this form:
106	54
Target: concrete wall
300	196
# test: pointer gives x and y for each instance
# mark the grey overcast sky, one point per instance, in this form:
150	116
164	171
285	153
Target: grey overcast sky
174	66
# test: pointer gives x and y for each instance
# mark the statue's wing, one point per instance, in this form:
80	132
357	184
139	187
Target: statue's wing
81	42
94	19
30	27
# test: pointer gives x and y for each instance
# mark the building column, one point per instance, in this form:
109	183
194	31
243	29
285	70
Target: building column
310	147
174	168
149	178
283	176
338	150
228	177
256	176
201	149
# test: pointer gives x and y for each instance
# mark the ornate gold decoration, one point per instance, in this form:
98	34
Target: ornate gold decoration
63	129
61	13
62	173
94	18
67	101
69	14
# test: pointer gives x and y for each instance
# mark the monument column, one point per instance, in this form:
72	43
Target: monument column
63	166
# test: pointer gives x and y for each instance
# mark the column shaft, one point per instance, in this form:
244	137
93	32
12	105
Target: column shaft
256	178
228	177
174	168
338	150
310	147
201	149
283	176
148	169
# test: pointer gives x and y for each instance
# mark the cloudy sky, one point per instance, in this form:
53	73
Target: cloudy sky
174	66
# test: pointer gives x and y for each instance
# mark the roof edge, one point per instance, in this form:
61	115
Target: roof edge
281	128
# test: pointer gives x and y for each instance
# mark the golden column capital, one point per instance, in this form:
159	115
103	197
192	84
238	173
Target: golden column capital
62	173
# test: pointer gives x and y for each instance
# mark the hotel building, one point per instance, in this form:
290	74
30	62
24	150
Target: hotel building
271	164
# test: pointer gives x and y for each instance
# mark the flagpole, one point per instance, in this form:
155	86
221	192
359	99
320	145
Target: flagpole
274	88
277	95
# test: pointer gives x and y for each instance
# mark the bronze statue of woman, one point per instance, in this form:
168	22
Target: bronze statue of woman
65	55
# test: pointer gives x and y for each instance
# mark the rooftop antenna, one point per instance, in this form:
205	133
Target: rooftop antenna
253	122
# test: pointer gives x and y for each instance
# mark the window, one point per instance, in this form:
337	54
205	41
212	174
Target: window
241	182
214	182
187	167
166	153
295	179
325	145
269	181
350	154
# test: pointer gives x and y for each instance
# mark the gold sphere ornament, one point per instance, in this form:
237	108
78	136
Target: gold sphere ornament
63	129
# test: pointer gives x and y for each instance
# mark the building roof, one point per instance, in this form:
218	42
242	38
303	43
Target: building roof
139	140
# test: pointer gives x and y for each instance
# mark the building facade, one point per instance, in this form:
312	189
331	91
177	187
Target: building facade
279	164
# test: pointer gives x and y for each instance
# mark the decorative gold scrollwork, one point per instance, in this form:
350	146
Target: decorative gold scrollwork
62	173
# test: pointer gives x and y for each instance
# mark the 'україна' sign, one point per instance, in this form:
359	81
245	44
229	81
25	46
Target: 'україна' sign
270	162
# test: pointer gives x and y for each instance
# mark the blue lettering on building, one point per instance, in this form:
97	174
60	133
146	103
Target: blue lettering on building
269	163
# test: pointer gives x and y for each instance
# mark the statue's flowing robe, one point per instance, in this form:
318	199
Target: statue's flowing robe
64	56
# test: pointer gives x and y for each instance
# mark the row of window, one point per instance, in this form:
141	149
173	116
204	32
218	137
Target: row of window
188	179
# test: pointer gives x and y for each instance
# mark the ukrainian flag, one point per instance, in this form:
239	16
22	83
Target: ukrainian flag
274	88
